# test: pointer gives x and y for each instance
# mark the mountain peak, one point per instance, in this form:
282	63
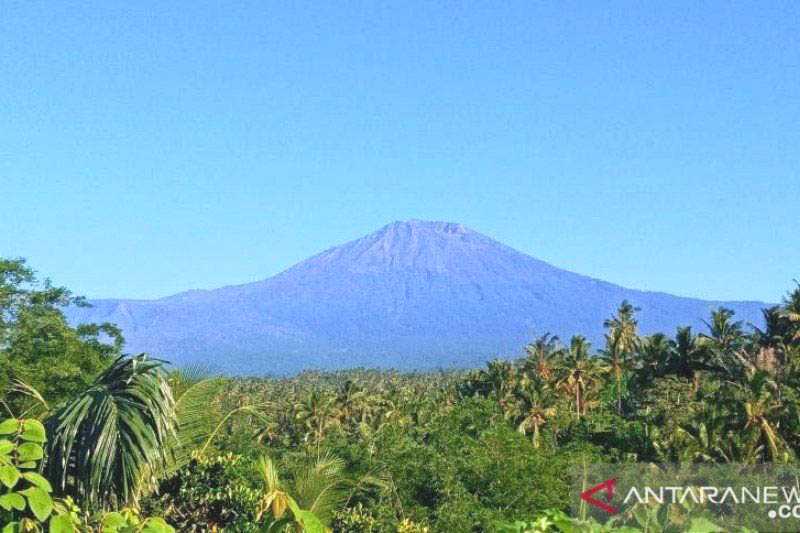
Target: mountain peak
422	226
414	294
410	245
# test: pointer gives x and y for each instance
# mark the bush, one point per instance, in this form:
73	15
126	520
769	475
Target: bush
207	493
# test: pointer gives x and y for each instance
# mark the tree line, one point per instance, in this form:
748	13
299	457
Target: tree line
122	441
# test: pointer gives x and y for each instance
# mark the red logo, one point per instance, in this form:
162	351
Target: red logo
608	486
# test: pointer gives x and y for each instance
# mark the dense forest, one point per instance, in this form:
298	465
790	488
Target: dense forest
92	439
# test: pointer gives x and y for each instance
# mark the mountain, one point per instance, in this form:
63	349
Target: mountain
413	295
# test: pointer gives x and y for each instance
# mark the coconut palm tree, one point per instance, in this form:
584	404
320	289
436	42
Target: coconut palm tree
705	440
312	494
621	342
316	413
542	355
689	358
277	509
762	412
791	311
352	404
724	333
535	406
656	357
197	413
579	373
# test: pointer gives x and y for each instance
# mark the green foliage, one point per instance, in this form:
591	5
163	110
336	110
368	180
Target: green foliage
26	501
356	519
368	451
38	347
655	519
109	437
26	494
216	492
197	413
130	521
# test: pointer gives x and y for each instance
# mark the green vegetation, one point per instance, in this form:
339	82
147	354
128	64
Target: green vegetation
96	441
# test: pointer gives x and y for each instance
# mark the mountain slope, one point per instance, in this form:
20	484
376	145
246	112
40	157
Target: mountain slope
412	295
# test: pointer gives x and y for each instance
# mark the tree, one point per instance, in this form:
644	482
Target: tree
760	413
317	489
317	414
656	357
579	373
791	311
535	406
106	439
37	345
621	342
542	355
689	358
724	333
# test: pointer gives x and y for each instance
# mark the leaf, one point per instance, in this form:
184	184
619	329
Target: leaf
112	522
9	476
703	525
9	426
6	446
12	527
12	500
110	438
27	464
39	501
38	481
309	521
33	430
29	451
62	524
197	417
156	525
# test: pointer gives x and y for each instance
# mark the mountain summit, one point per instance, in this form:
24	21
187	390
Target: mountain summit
412	295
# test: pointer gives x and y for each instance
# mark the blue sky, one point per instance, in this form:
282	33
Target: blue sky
148	148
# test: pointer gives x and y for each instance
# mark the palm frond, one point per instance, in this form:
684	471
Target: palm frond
197	416
103	441
319	487
40	407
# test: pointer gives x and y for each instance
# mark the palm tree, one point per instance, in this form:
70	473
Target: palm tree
352	403
656	357
791	311
579	372
621	342
314	492
724	333
772	344
705	440
762	413
535	407
278	508
689	358
542	354
316	413
197	415
726	347
105	440
501	379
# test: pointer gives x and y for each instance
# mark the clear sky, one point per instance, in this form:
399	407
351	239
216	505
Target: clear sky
152	147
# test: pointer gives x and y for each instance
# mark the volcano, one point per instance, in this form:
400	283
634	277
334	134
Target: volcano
414	295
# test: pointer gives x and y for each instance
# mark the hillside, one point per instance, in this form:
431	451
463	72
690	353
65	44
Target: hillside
413	295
